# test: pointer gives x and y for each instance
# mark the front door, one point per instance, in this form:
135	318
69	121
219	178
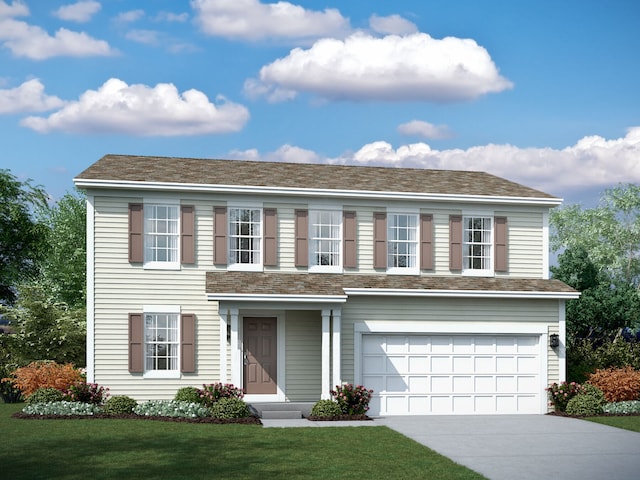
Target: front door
260	355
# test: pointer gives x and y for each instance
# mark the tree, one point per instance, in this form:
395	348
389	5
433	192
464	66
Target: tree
21	236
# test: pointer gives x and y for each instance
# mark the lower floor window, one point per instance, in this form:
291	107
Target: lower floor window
161	341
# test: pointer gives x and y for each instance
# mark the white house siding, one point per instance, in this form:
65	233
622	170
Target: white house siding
303	356
525	243
483	312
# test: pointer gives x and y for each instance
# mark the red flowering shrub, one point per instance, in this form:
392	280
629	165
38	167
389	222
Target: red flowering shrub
86	393
560	394
210	394
352	400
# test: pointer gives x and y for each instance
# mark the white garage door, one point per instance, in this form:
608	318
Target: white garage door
452	374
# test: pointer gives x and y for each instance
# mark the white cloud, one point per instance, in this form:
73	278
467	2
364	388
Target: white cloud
252	20
145	111
172	17
411	68
16	9
592	162
129	16
78	12
418	128
28	97
149	37
392	24
33	42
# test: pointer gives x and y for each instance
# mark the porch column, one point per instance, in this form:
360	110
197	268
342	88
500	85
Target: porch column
223	344
236	354
562	349
337	348
326	347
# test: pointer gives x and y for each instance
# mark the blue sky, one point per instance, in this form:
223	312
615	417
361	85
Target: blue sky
544	93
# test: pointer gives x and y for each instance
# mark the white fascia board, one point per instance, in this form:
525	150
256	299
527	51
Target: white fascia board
251	297
316	192
459	293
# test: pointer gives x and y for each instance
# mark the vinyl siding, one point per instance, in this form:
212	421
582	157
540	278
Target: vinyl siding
303	356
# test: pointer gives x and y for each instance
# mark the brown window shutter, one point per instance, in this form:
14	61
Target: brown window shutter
187	343
270	237
349	248
455	242
187	234
379	240
220	235
136	233
426	241
302	242
500	232
136	343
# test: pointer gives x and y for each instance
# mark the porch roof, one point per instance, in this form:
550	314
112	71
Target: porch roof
261	284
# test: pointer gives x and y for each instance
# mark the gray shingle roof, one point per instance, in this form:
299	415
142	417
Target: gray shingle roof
305	176
267	283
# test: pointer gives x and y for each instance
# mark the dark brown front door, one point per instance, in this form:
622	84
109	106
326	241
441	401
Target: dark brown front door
260	355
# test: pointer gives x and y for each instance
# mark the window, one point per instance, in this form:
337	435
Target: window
325	232
402	241
245	236
161	234
477	243
161	342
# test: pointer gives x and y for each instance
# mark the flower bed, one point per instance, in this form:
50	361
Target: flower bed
253	420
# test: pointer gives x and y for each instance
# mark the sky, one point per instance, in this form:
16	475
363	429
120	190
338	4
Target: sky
545	93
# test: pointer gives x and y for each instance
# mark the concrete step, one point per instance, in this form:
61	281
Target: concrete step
281	414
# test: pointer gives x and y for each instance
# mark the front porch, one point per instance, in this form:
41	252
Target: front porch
281	410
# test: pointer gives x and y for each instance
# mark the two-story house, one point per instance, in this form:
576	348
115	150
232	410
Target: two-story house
429	286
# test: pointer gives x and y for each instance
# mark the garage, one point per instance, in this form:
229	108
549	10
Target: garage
441	374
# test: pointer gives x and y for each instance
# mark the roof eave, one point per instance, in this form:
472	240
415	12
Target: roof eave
388	292
281	298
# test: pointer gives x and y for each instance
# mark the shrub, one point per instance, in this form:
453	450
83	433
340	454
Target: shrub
62	408
230	408
584	406
585	356
622	408
595	392
188	394
210	394
45	395
617	384
352	400
171	408
119	405
86	393
326	408
560	394
44	374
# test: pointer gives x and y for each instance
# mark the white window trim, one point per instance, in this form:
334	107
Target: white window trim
245	267
415	270
325	268
164	202
161	310
485	272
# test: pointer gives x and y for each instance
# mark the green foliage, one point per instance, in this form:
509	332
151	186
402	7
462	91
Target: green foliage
22	238
62	408
595	392
561	393
210	394
45	395
188	394
352	399
622	408
326	408
171	408
584	406
586	356
230	408
119	405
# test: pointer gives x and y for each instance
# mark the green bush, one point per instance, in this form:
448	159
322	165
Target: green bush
188	394
584	406
171	408
352	399
560	394
622	408
229	408
595	392
45	395
586	356
119	405
62	408
326	408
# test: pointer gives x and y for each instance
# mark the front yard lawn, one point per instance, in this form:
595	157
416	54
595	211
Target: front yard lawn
93	448
631	422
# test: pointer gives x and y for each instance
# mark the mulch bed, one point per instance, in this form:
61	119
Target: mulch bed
337	418
244	421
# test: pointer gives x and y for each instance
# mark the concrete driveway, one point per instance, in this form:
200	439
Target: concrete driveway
522	447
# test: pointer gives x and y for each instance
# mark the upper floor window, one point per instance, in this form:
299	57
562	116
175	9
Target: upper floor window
245	236
325	240
477	243
402	242
161	234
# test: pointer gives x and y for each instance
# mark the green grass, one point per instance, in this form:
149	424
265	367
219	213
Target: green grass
628	423
79	449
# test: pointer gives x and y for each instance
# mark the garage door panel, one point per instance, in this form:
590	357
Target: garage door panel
451	374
